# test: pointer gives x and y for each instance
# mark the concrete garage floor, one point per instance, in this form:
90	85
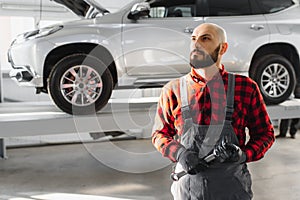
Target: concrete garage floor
63	172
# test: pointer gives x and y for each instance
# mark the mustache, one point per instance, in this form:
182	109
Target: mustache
197	50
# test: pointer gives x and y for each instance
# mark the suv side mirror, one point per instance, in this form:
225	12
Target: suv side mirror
139	10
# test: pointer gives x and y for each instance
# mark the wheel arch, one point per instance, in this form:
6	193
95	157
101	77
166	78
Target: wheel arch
284	49
88	48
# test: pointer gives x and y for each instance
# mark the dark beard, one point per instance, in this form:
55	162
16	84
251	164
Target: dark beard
208	60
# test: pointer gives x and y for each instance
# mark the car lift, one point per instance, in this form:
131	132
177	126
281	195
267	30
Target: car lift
23	119
131	116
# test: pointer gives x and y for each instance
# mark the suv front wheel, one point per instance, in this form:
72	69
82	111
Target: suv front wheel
275	77
80	84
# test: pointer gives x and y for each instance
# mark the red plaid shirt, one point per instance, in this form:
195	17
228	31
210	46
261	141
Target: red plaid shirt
249	112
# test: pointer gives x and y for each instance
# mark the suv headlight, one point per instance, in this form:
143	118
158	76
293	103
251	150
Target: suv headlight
46	31
37	33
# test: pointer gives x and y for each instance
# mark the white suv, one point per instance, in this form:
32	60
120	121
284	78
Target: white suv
146	43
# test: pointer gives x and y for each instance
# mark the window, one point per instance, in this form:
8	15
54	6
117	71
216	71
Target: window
229	7
157	12
180	11
271	6
168	8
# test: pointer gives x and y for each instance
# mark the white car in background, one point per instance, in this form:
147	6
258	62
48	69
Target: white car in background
146	44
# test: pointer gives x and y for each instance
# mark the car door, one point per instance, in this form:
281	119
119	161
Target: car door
158	45
246	28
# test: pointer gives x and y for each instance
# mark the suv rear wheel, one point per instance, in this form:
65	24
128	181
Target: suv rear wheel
275	77
80	84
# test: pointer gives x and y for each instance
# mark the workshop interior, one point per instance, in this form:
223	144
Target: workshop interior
82	80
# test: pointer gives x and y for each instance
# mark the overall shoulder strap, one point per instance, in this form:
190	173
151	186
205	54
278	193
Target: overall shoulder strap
230	97
185	110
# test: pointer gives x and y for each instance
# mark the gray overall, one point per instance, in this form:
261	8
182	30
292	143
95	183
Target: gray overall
222	181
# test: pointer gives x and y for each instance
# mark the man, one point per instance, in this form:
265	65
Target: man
205	114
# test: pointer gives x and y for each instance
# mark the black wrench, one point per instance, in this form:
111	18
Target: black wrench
177	176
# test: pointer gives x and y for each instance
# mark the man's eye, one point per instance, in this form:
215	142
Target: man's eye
205	38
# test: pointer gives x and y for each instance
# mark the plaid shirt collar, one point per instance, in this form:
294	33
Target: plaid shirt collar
198	79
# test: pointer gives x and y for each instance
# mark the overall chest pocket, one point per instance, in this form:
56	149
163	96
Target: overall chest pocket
202	138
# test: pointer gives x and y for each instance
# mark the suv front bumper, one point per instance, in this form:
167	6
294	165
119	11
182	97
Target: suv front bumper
23	75
27	60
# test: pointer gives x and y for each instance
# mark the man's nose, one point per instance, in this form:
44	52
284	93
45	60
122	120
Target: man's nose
197	45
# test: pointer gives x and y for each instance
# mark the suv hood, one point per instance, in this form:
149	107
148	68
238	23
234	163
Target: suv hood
83	8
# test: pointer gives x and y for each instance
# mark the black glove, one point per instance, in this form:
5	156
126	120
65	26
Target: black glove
228	152
191	163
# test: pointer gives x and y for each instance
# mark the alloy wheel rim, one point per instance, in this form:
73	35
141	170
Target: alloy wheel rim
81	85
275	80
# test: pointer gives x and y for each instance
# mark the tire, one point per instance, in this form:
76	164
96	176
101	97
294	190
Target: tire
275	77
76	93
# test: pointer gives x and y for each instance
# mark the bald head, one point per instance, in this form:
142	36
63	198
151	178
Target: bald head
218	30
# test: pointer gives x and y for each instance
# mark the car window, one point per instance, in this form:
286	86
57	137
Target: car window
271	6
167	8
229	7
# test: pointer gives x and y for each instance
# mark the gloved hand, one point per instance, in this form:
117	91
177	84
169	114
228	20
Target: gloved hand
229	152
191	163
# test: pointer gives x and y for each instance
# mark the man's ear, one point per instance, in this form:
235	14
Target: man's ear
224	47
